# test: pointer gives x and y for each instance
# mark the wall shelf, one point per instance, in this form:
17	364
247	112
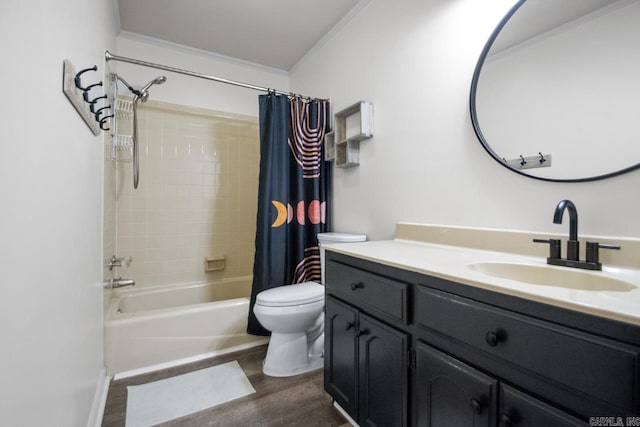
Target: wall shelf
352	125
329	146
347	153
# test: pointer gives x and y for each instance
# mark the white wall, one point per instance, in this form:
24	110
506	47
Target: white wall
187	90
50	220
414	60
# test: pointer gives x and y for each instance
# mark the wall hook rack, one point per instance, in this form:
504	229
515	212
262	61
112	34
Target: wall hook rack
85	94
530	162
99	112
104	120
92	103
77	79
542	159
78	96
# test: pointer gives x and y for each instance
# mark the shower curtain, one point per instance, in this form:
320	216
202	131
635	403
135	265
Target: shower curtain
293	194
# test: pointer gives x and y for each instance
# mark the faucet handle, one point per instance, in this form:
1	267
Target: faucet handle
554	246
593	253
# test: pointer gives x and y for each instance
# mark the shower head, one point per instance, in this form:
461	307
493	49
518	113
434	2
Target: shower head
144	92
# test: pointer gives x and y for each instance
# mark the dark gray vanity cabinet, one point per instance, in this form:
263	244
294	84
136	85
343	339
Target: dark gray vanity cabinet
450	393
366	369
366	366
585	373
403	348
518	409
341	354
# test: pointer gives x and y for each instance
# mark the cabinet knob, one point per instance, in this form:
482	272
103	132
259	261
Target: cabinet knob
356	285
476	406
360	332
492	338
350	325
505	420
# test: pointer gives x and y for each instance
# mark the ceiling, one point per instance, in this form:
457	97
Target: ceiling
272	33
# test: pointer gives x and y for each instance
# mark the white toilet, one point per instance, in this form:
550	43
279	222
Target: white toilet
294	315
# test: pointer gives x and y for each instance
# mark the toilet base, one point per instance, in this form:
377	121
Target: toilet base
288	355
311	366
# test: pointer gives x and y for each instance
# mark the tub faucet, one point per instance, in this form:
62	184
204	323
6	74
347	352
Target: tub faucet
119	262
118	283
573	246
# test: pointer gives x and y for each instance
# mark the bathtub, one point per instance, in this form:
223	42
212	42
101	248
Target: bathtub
155	325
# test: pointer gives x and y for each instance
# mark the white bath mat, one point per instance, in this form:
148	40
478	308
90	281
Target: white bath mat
164	400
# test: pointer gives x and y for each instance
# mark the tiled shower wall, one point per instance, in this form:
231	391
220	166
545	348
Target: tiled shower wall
197	195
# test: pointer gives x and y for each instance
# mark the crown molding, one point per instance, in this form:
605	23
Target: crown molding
355	10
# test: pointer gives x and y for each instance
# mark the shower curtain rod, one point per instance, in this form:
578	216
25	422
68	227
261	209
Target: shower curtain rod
111	57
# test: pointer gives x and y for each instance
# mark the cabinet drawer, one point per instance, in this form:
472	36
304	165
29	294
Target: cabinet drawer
368	290
518	409
601	368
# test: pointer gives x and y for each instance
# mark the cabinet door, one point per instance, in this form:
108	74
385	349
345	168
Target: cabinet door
450	393
518	409
340	355
383	384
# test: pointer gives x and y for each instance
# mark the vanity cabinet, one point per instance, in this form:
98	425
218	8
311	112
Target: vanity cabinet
452	393
404	348
366	369
580	371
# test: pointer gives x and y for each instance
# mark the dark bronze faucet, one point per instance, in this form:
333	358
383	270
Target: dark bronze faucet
592	261
573	246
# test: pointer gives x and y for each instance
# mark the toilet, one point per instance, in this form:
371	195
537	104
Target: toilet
294	315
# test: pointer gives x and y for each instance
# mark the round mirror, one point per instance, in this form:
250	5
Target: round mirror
556	92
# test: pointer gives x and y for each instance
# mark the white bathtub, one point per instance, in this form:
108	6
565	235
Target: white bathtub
155	325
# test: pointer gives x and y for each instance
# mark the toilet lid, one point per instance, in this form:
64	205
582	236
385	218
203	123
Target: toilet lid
301	293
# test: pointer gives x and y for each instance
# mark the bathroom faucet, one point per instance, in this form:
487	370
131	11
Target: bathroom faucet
592	261
118	262
573	246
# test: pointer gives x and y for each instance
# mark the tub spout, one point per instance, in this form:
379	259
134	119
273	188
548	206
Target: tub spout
118	283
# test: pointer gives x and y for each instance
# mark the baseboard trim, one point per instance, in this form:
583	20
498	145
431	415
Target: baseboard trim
99	400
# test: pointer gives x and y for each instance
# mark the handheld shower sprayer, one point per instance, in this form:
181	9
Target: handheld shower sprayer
139	95
143	94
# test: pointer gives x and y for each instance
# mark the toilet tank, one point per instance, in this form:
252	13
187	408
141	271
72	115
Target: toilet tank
326	238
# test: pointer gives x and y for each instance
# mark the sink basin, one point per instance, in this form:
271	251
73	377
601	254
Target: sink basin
560	277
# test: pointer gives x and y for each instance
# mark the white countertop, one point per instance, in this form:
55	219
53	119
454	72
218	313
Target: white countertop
451	263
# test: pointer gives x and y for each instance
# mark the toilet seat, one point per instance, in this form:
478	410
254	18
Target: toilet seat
291	295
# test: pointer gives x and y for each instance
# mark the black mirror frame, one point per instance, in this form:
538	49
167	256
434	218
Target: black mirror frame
474	116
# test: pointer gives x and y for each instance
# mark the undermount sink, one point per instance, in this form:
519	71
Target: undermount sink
561	277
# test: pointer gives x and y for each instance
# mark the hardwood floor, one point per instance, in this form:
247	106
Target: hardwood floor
278	402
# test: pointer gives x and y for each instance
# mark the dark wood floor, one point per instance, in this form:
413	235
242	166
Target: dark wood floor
279	402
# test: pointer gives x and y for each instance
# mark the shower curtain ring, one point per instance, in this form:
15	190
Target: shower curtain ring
79	73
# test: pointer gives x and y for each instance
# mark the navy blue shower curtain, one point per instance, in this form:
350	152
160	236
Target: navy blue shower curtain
293	194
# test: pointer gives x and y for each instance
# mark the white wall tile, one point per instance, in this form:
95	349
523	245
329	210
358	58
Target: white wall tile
196	169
